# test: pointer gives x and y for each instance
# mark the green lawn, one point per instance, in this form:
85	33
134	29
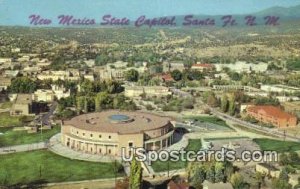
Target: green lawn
6	105
227	138
44	166
277	145
9	121
159	166
209	119
11	137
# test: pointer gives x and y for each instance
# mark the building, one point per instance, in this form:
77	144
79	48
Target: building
267	169
58	75
279	88
137	91
42	95
4	83
208	185
292	107
60	91
22	105
174	185
109	132
241	67
272	115
171	66
203	67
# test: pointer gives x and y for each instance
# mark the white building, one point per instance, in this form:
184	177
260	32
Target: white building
240	67
279	88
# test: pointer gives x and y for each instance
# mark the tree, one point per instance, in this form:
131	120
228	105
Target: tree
176	75
219	172
232	105
237	181
198	177
224	103
212	100
132	75
283	159
284	175
280	184
210	174
22	85
135	178
259	178
294	157
102	101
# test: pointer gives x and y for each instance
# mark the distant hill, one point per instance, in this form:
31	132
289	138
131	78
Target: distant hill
290	12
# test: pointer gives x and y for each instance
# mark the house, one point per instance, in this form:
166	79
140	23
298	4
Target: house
42	95
165	77
60	91
208	185
171	66
137	91
11	73
279	88
267	169
182	185
22	105
203	67
272	115
4	83
241	67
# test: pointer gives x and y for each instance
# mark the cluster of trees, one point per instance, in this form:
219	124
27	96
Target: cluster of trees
214	172
22	85
178	104
95	96
187	75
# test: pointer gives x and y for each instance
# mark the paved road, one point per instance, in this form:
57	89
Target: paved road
23	148
45	118
252	126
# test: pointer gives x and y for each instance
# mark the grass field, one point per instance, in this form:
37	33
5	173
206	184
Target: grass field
9	121
277	145
6	105
159	166
44	166
209	119
11	137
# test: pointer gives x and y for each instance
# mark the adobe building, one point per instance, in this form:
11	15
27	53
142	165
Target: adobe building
108	132
22	105
272	115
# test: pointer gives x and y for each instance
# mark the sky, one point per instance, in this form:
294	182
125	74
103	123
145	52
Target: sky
16	12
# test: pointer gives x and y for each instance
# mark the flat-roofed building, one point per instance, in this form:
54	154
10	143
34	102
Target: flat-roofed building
137	91
203	67
272	115
22	105
279	88
4	83
42	95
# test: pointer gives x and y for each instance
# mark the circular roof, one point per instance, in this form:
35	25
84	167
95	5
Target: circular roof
113	121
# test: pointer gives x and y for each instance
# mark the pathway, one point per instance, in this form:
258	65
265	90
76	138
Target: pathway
56	146
23	148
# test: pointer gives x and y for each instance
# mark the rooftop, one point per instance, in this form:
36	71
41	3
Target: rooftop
272	111
24	99
114	121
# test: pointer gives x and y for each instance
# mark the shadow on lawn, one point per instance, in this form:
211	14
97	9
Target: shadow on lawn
37	184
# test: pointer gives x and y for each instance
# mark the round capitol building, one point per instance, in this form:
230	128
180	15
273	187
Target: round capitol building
107	132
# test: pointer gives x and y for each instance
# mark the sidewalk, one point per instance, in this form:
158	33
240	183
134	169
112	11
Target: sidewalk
23	148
